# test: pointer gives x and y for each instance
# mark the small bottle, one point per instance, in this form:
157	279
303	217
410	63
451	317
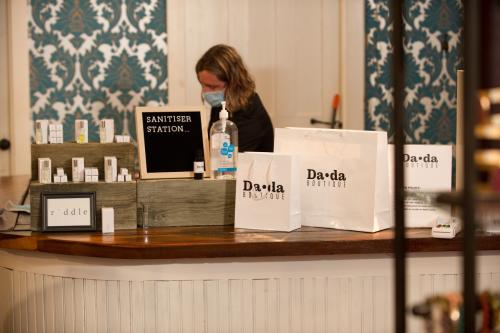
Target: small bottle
198	165
223	146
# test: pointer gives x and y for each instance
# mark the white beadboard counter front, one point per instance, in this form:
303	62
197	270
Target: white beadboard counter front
221	279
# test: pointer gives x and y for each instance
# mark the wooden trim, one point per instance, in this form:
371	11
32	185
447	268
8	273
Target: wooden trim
228	242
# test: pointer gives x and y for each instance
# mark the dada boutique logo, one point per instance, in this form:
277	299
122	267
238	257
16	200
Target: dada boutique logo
427	161
332	179
256	191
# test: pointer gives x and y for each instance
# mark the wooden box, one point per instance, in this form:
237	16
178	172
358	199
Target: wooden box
120	196
185	202
93	153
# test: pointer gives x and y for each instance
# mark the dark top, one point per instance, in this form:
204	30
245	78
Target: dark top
255	130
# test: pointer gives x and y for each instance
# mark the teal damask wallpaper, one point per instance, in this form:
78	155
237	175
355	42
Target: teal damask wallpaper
97	59
433	42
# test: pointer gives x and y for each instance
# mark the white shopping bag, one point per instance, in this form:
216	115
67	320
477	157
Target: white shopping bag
267	192
343	176
428	169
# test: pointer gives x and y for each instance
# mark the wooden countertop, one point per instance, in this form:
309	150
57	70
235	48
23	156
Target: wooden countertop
221	241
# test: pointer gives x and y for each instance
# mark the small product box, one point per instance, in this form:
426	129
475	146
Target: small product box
60	177
81	131
55	133
110	169
108	220
41	131
91	175
124	176
78	169
44	170
106	130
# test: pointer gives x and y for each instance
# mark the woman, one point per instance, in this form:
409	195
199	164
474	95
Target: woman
223	76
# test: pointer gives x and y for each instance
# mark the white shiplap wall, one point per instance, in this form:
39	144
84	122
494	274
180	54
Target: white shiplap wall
44	303
292	48
53	293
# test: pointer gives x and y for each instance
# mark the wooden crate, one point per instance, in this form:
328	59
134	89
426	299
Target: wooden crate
93	153
185	202
120	196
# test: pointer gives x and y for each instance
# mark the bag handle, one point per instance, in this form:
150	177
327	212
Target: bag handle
325	138
268	174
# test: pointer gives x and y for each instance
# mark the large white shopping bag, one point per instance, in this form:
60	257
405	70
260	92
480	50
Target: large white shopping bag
267	192
428	169
343	176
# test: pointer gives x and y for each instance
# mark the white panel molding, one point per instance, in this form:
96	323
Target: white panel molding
352	66
19	93
4	88
176	51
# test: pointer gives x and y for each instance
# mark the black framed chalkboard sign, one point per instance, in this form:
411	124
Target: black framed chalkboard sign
169	138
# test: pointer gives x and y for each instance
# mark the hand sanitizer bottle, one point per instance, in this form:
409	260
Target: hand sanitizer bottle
223	147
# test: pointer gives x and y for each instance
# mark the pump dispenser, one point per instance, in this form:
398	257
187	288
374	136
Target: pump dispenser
223	146
223	114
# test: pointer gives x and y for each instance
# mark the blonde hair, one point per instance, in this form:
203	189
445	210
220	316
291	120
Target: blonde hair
224	62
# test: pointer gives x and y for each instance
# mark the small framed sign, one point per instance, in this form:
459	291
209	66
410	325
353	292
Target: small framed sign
169	139
68	211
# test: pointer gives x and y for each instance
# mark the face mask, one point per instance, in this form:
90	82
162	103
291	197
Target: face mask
12	207
214	98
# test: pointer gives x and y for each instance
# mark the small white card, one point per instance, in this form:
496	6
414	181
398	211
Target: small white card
428	168
108	220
